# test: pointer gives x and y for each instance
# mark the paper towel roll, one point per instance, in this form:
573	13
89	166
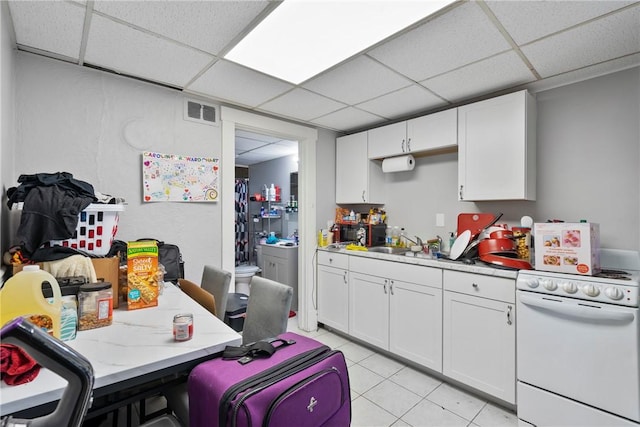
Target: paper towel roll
398	164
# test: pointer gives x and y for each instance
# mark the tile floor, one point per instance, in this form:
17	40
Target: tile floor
387	393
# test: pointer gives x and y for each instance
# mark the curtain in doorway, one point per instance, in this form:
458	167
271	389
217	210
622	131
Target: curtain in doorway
242	224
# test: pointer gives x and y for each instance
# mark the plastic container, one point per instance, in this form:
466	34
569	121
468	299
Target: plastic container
95	306
96	229
395	236
404	242
22	296
388	236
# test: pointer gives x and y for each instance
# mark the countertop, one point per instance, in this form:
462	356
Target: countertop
477	268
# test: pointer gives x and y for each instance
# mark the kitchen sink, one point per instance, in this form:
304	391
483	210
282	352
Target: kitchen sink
388	250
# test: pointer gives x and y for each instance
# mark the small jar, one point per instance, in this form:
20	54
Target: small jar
183	327
95	305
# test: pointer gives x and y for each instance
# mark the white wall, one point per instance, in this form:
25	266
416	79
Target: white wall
588	158
326	181
7	116
96	125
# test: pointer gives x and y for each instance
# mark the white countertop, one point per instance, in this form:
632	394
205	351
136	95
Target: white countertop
138	342
478	268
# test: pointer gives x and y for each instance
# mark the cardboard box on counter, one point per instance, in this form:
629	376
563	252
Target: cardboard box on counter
106	270
566	247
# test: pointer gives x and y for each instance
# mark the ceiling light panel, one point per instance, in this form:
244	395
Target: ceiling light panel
229	81
481	77
526	21
357	80
301	38
124	49
587	44
460	37
302	104
206	25
403	102
50	26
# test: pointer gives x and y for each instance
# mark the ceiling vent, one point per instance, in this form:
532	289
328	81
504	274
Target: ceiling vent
196	111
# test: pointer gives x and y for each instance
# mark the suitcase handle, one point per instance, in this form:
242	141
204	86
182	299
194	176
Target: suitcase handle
246	353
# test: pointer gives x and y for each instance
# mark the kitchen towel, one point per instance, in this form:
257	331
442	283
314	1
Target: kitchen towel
398	164
16	366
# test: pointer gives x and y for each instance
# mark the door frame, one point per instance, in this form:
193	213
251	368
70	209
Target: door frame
232	119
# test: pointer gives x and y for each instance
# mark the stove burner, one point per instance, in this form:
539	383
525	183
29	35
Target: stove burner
614	274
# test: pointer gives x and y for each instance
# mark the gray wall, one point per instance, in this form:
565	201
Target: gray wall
7	116
588	149
96	125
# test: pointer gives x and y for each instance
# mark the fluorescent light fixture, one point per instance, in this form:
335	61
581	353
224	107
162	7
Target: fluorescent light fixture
301	38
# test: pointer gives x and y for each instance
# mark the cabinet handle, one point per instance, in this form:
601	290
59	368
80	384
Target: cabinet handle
461	198
363	199
345	277
391	287
408	144
509	308
475	286
385	285
402	145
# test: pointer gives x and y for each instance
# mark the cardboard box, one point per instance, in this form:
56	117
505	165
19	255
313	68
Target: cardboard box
106	270
565	247
142	274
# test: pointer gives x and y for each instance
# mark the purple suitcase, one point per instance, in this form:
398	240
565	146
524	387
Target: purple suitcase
305	384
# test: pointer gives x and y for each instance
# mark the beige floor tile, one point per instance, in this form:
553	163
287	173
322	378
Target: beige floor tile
355	352
382	365
415	381
365	413
428	414
362	380
392	398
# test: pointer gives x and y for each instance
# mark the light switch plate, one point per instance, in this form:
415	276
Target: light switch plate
439	220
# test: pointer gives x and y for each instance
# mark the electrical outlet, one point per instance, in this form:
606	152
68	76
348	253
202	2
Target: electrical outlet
440	220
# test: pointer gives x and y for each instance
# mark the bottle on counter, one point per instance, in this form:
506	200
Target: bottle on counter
395	236
403	238
388	236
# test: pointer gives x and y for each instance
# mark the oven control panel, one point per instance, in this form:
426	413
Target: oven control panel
592	288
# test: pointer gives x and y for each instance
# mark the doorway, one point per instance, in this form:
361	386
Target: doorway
233	119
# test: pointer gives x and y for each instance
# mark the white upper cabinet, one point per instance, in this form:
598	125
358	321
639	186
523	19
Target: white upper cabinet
358	179
497	149
422	134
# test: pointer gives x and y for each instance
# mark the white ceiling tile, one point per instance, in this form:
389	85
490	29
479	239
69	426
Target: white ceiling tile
462	36
301	104
357	80
275	150
605	39
526	21
207	25
243	144
127	50
50	26
232	82
348	119
402	102
252	157
265	139
499	72
291	145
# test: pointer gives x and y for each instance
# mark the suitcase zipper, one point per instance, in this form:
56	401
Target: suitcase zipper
296	386
268	375
278	376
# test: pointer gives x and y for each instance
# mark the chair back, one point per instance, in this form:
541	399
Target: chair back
217	281
267	310
201	296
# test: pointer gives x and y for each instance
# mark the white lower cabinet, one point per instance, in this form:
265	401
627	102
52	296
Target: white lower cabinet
333	290
397	307
479	332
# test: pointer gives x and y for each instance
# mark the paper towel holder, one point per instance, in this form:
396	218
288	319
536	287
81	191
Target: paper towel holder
398	164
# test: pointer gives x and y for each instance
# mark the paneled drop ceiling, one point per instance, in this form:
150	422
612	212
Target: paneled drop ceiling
467	51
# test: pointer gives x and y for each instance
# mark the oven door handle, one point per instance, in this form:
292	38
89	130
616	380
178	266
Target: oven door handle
582	312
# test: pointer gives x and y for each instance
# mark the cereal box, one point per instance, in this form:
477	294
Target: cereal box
142	267
566	247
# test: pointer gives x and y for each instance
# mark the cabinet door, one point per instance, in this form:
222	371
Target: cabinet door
415	325
333	297
273	267
358	179
479	344
387	141
499	128
369	309
433	132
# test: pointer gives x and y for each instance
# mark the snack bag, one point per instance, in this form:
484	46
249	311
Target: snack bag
142	267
